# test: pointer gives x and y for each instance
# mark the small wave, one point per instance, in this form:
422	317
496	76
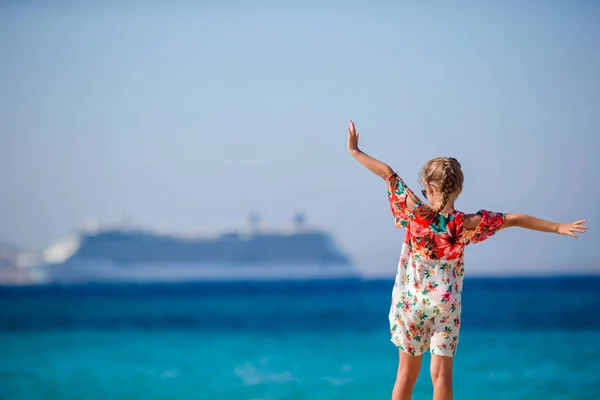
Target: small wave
251	375
169	374
338	381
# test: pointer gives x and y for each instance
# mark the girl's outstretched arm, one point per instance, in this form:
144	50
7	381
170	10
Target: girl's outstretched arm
536	224
375	166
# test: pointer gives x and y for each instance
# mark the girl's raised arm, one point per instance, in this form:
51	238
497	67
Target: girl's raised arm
375	166
399	194
537	224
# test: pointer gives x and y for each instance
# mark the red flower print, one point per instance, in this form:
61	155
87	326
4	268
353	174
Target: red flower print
446	296
412	327
419	230
426	214
431	286
450	242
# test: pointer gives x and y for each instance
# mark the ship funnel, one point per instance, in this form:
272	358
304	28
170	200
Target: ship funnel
254	222
299	221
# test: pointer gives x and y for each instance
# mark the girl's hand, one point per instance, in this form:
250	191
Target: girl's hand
352	138
374	165
571	228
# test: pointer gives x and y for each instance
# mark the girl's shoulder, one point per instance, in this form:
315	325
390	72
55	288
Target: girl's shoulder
484	220
471	221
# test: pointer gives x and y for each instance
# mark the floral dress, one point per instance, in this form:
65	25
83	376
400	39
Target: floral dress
426	299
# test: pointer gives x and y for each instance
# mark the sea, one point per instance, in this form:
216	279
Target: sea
521	338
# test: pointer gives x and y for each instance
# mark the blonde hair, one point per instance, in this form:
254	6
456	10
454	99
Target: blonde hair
447	172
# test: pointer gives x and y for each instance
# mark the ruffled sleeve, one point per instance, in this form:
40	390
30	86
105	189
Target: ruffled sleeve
397	195
491	222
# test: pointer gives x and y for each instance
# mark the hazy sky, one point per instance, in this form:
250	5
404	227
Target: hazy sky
191	117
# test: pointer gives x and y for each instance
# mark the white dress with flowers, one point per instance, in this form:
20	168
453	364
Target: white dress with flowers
426	299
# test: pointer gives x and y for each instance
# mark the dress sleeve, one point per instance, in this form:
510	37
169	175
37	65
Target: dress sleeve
491	222
397	195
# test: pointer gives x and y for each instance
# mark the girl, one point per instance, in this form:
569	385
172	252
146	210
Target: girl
426	298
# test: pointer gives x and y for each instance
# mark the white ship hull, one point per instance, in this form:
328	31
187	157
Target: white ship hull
97	271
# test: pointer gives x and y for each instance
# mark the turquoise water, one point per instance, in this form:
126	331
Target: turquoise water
288	343
187	365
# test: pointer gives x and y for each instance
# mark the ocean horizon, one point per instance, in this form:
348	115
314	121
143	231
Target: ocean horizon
522	338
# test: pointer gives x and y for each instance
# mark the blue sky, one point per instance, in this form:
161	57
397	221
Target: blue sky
189	117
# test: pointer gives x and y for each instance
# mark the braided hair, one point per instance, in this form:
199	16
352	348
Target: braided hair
447	172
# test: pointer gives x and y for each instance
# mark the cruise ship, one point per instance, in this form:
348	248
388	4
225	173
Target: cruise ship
137	255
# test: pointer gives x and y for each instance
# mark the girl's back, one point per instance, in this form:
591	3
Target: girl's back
438	236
